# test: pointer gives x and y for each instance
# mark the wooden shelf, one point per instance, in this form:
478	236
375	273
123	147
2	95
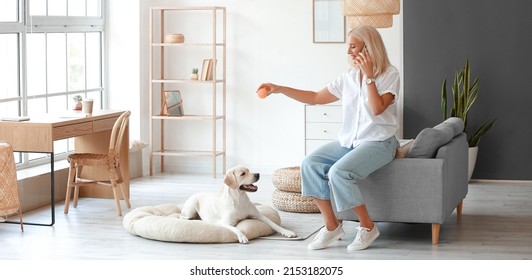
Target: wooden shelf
215	17
182	81
187	153
187	45
189	117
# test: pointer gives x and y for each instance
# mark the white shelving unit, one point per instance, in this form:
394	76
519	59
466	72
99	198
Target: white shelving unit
212	45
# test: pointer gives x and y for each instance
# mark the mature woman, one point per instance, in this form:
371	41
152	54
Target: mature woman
366	141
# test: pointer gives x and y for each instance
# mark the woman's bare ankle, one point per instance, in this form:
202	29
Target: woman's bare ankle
369	226
333	226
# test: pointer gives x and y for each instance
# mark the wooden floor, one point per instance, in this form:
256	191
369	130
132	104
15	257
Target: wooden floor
496	224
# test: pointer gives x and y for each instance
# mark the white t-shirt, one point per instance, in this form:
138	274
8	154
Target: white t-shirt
359	124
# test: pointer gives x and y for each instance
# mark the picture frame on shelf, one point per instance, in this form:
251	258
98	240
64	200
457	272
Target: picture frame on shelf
172	104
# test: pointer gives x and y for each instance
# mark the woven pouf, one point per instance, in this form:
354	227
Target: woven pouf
287	196
287	179
293	202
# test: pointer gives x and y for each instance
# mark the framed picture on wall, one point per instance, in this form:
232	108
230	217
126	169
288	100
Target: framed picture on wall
328	21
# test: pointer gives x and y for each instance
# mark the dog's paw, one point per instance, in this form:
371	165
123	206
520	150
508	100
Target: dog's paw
242	239
288	233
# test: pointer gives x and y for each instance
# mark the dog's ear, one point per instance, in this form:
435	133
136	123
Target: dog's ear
230	180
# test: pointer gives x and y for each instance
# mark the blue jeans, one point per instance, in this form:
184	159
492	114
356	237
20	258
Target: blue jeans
341	168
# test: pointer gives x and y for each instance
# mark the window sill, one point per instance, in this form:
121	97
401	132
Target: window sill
41	169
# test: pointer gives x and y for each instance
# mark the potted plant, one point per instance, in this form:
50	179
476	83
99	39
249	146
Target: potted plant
194	75
464	95
77	102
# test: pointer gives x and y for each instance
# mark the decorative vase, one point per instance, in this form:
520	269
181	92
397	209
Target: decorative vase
472	159
78	105
194	77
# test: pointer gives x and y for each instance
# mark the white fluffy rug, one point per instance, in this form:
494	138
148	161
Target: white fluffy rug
162	222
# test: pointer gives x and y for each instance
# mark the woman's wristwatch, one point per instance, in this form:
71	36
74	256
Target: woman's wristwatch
369	81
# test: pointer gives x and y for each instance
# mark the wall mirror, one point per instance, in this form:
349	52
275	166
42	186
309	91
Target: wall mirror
328	21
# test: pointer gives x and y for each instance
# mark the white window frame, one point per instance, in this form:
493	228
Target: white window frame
27	24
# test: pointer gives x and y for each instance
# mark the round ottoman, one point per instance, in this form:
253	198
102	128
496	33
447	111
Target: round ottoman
287	194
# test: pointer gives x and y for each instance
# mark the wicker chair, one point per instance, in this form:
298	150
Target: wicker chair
9	199
111	161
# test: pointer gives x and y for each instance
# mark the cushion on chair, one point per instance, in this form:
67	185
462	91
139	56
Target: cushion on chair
429	140
162	222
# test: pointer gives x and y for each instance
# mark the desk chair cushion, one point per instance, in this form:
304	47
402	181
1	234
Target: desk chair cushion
162	222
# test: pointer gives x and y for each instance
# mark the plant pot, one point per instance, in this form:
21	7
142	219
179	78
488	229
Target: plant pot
78	106
472	160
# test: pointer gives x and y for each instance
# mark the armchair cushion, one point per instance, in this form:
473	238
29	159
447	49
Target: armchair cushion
429	140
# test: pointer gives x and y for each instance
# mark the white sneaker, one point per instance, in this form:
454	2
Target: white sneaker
325	237
364	238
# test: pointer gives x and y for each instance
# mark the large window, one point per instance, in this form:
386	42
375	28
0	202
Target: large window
50	51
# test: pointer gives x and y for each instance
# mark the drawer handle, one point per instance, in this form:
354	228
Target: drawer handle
325	114
325	131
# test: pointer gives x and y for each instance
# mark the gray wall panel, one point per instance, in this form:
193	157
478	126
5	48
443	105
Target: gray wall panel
496	37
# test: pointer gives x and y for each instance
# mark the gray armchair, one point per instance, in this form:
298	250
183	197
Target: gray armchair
420	189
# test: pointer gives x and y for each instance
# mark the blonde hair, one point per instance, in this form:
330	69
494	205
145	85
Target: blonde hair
375	46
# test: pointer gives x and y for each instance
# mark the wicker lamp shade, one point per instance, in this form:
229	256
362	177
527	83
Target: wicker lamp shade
9	199
377	13
378	21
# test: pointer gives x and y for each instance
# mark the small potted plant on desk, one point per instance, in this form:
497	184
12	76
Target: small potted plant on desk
77	102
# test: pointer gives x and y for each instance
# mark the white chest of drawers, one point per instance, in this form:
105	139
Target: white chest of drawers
322	123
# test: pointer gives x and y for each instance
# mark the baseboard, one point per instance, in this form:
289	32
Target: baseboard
501	181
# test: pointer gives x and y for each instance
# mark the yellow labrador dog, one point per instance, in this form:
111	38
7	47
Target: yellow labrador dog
230	205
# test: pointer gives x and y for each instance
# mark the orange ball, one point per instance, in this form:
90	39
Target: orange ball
263	92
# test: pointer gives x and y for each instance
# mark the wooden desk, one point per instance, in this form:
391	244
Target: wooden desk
91	134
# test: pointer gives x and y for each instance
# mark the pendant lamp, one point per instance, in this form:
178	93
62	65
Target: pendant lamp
377	13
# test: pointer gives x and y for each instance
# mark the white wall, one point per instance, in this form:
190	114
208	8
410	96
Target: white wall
123	60
267	41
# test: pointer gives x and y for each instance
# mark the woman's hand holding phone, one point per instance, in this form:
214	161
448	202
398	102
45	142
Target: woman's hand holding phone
364	62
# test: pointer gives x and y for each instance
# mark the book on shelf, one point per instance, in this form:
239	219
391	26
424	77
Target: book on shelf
207	70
